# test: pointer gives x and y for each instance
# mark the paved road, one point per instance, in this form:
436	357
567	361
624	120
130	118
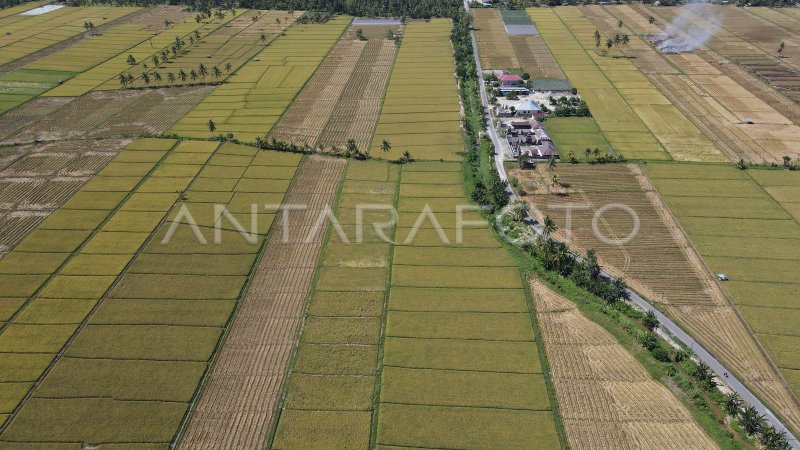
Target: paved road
664	321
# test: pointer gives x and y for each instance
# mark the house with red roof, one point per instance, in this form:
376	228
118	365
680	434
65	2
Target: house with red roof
509	80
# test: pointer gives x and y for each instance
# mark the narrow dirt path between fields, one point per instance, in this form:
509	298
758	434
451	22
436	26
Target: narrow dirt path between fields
238	401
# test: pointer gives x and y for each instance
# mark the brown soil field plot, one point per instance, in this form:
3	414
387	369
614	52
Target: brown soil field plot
100	114
494	44
535	58
718	104
306	118
359	107
237	404
36	180
606	398
659	262
748	41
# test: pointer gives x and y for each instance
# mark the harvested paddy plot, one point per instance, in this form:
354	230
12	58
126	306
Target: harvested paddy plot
36	180
329	400
494	44
148	342
606	398
359	107
716	212
243	388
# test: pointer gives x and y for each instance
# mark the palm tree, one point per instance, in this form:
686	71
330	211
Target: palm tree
751	420
170	78
130	78
651	19
211	126
571	156
193	75
554	179
197	35
619	24
155	60
201	69
406	158
164	55
216	72
385	147
131	60
263	38
228	67
587	152
146	78
597	38
780	49
123	80
277	21
548	226
519	210
182	75
191	40
351	148
609	43
626	39
732	403
157	76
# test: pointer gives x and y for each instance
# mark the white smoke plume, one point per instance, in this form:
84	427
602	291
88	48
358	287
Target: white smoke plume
684	35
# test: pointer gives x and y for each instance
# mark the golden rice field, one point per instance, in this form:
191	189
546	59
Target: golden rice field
252	102
227	48
494	44
744	224
606	398
716	98
306	118
356	114
23	35
454	358
329	394
107	71
422	117
636	119
123	266
655	256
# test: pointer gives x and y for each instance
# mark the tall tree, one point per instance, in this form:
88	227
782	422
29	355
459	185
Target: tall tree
212	127
170	78
385	147
215	72
202	71
548	226
131	60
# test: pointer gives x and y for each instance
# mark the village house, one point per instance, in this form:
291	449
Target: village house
512	83
530	108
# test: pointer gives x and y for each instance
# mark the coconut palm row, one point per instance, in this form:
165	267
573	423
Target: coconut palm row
155	76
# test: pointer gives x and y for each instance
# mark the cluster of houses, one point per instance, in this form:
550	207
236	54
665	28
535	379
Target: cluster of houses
529	140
